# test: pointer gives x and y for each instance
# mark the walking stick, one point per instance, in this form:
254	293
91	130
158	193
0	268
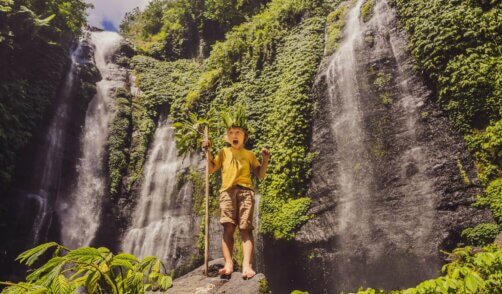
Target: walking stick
206	235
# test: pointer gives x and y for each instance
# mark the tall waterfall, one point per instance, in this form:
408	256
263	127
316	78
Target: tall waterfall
382	171
162	221
80	213
367	227
51	157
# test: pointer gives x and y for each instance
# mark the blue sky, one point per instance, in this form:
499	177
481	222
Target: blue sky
107	14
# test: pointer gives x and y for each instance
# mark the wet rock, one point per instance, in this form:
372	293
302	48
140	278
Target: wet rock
197	282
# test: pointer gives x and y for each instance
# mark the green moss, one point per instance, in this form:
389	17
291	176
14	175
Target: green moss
382	80
386	98
264	287
367	10
481	235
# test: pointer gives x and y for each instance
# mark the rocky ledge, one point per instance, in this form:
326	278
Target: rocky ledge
196	282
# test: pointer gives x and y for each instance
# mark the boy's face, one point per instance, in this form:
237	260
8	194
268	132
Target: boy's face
236	137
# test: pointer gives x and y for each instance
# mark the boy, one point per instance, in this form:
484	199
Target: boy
237	194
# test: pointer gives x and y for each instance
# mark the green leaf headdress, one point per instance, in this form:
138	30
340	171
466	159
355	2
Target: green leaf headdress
235	117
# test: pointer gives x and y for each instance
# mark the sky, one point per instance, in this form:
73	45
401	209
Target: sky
107	14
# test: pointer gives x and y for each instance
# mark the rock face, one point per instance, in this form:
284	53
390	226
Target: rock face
196	282
392	184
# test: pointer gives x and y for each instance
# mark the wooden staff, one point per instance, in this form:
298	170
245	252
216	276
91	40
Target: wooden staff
206	234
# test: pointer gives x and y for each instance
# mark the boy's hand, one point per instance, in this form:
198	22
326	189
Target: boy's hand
265	153
206	144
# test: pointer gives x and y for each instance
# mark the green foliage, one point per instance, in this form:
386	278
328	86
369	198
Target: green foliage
264	287
29	78
367	10
96	269
334	26
468	272
486	146
481	235
164	85
492	198
267	65
118	140
177	29
190	132
457	46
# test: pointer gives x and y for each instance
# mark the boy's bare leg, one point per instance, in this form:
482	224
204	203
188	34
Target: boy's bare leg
227	246
247	246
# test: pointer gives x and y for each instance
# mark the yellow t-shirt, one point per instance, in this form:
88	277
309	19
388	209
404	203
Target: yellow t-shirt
235	167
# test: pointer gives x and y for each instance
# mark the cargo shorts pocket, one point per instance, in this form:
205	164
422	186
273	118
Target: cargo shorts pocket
228	205
245	201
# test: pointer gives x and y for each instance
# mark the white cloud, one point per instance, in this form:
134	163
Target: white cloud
111	11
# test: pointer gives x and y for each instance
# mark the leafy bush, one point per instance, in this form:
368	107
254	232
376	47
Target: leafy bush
481	235
96	269
493	199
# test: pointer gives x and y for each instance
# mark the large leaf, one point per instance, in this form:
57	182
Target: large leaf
31	256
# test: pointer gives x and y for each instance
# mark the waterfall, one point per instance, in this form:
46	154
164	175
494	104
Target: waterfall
162	222
80	212
374	193
51	157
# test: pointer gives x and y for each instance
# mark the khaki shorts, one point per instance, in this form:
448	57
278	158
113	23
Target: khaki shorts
236	207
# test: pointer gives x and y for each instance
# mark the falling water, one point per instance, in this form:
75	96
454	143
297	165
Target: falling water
162	224
52	155
375	210
81	211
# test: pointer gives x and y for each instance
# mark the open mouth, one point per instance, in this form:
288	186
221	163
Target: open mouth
235	142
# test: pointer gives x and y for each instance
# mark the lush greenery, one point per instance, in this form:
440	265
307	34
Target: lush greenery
29	78
119	140
158	96
334	27
96	269
470	271
268	65
177	29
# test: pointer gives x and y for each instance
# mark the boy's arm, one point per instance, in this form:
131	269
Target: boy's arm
206	145
212	166
262	169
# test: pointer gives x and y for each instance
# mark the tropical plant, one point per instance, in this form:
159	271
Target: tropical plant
470	271
96	269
